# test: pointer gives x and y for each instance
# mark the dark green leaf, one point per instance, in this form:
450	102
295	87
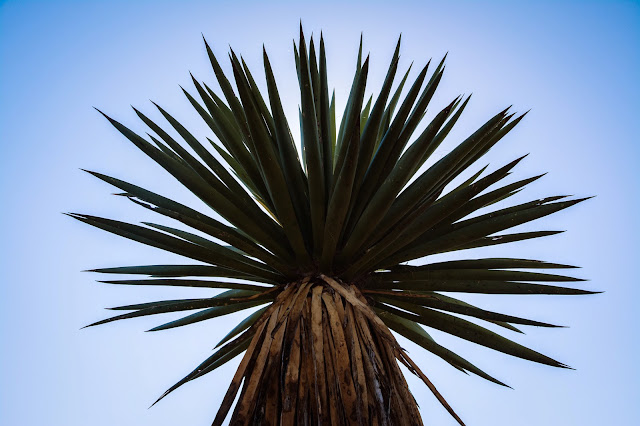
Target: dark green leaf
181	271
443	133
417	335
368	141
468	331
487	263
406	273
477	286
326	119
189	283
166	306
242	325
208	314
220	357
420	299
312	150
234	103
289	156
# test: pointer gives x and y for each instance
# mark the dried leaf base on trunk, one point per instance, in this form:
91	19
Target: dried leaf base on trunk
320	355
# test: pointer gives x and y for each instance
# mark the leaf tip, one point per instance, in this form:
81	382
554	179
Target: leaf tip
103	114
504	111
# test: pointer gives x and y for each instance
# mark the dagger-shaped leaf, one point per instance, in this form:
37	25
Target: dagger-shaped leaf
417	335
189	283
468	331
171	271
242	326
220	357
476	286
208	314
166	306
434	301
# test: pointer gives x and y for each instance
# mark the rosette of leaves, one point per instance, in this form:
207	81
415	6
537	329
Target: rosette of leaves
321	243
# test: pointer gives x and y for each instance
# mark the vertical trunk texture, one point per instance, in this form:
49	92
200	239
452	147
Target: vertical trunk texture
321	356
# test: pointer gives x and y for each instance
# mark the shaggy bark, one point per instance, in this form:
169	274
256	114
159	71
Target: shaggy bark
320	355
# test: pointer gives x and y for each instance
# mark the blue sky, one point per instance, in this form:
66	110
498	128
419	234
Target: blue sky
576	64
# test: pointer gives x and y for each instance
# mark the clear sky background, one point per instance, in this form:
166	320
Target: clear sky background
576	64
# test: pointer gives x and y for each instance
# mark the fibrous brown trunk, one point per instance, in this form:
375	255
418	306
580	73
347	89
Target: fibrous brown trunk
320	355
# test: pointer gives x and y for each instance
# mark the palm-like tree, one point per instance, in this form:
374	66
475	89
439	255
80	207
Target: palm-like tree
324	242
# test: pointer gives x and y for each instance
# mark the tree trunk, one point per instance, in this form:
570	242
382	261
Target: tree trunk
320	355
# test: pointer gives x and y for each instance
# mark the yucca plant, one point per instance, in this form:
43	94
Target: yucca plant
323	243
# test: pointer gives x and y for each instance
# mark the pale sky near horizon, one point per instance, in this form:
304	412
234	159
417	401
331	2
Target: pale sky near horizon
575	64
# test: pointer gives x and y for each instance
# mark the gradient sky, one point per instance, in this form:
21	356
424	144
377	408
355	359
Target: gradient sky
576	64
